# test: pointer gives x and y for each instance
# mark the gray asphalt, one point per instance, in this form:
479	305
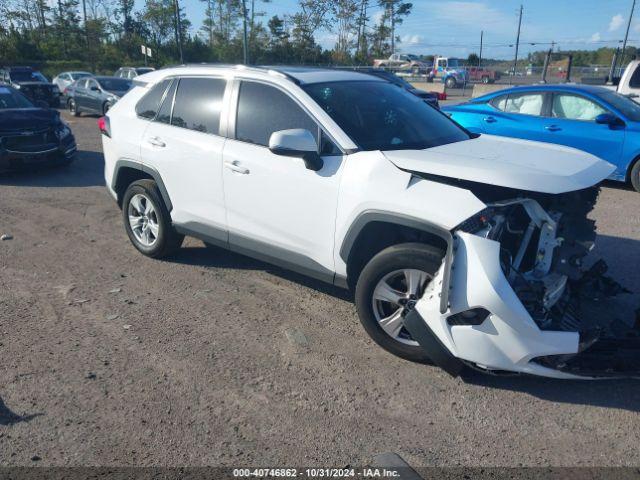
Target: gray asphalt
211	358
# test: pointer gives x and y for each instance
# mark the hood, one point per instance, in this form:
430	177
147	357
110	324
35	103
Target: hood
34	83
508	162
19	120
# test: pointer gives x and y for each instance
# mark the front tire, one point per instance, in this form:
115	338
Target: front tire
147	220
635	176
73	108
388	288
450	82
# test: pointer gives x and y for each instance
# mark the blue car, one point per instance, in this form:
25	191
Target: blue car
594	119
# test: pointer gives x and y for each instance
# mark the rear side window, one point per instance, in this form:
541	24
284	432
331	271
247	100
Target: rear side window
198	104
148	106
263	110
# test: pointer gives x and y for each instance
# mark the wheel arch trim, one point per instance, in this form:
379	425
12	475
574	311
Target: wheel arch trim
123	163
399	219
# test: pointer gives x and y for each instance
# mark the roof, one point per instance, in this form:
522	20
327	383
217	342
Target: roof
305	75
563	87
299	75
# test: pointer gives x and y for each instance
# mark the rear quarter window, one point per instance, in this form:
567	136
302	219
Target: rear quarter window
149	104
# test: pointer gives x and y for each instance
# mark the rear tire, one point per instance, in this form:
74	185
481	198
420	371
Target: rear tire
147	220
403	260
635	176
450	82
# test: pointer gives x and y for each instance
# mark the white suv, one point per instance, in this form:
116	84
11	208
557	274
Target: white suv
461	249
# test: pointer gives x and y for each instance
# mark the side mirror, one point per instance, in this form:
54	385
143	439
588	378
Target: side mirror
95	89
297	142
609	119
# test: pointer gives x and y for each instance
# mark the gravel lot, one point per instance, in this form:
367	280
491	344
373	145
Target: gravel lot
111	358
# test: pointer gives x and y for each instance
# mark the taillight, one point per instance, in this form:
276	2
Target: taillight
104	126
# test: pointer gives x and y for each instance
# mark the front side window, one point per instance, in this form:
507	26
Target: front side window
263	110
523	103
148	106
574	107
198	104
380	116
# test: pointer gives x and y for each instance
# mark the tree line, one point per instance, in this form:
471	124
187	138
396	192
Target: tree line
102	35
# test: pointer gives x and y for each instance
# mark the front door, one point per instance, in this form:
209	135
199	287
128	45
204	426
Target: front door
278	209
184	145
516	115
572	123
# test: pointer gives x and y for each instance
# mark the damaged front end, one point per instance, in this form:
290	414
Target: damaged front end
520	293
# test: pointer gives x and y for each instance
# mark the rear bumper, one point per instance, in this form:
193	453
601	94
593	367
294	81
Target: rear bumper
508	339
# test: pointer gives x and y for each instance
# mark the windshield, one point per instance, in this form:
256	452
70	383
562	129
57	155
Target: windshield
11	99
142	70
77	75
27	76
115	84
453	62
381	116
624	105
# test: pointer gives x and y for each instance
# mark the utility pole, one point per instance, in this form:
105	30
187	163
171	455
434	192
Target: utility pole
393	28
626	35
480	58
515	60
245	47
178	27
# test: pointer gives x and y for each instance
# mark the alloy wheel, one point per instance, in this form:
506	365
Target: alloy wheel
143	220
394	296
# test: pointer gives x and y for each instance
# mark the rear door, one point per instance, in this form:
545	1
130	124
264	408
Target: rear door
572	123
93	97
517	115
80	94
184	143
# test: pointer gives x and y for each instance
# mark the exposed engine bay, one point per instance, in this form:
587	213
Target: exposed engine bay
545	253
545	247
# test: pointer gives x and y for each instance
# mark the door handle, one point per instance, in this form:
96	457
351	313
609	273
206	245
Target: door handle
157	142
490	119
553	128
235	166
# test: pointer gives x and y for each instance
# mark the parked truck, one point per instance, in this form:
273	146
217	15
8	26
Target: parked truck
402	61
449	70
629	83
484	75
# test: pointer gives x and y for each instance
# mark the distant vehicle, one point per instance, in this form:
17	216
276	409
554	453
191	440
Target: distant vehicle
450	71
629	83
64	79
402	61
429	97
95	94
484	75
132	72
32	84
590	118
31	135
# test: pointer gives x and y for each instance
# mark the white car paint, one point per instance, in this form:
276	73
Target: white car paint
508	162
252	195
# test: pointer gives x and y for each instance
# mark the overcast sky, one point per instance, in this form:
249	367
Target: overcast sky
452	28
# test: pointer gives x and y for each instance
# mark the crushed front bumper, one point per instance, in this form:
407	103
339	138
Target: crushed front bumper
505	338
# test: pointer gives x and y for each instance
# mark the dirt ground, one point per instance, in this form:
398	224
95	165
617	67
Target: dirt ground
211	358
